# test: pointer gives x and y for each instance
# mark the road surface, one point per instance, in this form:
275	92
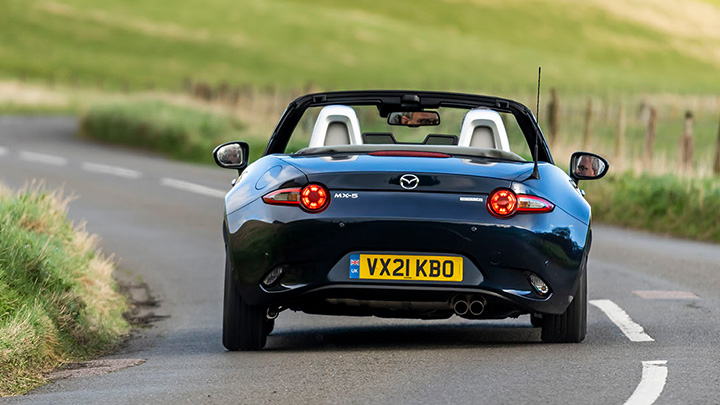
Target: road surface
653	327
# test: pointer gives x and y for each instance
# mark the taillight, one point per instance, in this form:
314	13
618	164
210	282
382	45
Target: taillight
530	203
504	203
287	196
313	197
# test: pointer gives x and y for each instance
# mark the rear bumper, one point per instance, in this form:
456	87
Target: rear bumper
314	251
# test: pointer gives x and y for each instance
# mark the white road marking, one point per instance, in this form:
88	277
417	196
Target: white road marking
193	188
654	375
112	170
42	158
632	330
3	151
665	295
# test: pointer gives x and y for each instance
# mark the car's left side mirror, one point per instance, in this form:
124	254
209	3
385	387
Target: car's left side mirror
232	155
587	166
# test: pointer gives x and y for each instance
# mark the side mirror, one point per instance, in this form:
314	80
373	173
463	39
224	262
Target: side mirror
587	166
232	155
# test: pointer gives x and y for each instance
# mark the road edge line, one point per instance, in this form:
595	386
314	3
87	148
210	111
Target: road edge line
622	320
652	383
192	187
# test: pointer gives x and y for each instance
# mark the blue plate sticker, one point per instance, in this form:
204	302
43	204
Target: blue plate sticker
354	266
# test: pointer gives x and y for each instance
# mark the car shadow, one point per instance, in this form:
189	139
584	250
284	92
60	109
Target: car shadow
402	337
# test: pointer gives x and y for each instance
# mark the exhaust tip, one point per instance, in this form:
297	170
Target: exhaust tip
272	313
460	307
476	307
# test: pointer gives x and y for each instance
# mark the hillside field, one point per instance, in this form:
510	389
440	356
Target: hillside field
600	47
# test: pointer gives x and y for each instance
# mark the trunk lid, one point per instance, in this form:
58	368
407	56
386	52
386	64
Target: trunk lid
464	175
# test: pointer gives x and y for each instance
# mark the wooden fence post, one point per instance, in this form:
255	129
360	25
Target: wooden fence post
554	117
716	166
650	140
686	144
620	138
588	125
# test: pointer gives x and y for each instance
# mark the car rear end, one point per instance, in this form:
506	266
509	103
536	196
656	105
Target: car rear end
408	236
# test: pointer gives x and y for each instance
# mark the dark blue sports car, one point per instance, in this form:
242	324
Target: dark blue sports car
406	204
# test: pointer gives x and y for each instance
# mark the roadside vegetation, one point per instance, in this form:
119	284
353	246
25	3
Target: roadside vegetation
176	131
58	300
670	205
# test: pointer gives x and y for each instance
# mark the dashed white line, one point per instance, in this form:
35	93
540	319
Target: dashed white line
112	170
632	330
652	383
193	188
3	151
42	158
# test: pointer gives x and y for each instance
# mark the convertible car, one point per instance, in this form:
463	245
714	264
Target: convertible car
406	204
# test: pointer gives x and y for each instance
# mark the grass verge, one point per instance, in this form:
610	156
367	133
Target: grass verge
58	300
176	131
671	205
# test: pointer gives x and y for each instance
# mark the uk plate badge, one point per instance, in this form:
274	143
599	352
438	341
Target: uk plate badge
354	266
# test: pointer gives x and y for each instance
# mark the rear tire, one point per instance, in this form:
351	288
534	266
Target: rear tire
536	320
571	326
245	327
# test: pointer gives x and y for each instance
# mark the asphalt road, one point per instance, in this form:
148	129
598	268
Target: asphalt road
162	219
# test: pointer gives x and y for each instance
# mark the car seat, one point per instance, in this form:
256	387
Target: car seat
336	125
484	128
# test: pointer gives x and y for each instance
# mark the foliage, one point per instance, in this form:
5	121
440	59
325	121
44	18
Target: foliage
672	205
58	301
180	132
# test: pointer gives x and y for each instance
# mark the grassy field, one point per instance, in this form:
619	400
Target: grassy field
600	47
58	301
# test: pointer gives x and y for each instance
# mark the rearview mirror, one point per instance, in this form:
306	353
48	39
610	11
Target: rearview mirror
232	155
587	166
414	118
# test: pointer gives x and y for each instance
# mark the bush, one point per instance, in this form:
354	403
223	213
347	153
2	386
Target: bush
667	204
58	301
179	132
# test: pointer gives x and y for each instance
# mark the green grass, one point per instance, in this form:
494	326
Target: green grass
489	46
58	301
37	109
176	131
670	125
665	204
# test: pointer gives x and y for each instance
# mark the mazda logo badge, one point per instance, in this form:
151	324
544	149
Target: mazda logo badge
409	181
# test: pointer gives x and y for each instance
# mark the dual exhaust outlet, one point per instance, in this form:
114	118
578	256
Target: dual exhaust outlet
464	306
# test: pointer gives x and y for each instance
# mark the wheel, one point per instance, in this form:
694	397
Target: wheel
571	326
245	327
536	320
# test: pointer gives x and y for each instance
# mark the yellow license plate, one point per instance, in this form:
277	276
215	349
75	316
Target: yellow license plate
406	267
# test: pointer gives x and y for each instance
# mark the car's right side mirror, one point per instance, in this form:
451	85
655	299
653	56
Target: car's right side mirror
232	155
587	166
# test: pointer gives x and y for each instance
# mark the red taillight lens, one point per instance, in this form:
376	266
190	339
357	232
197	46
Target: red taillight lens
530	203
286	196
502	203
314	197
